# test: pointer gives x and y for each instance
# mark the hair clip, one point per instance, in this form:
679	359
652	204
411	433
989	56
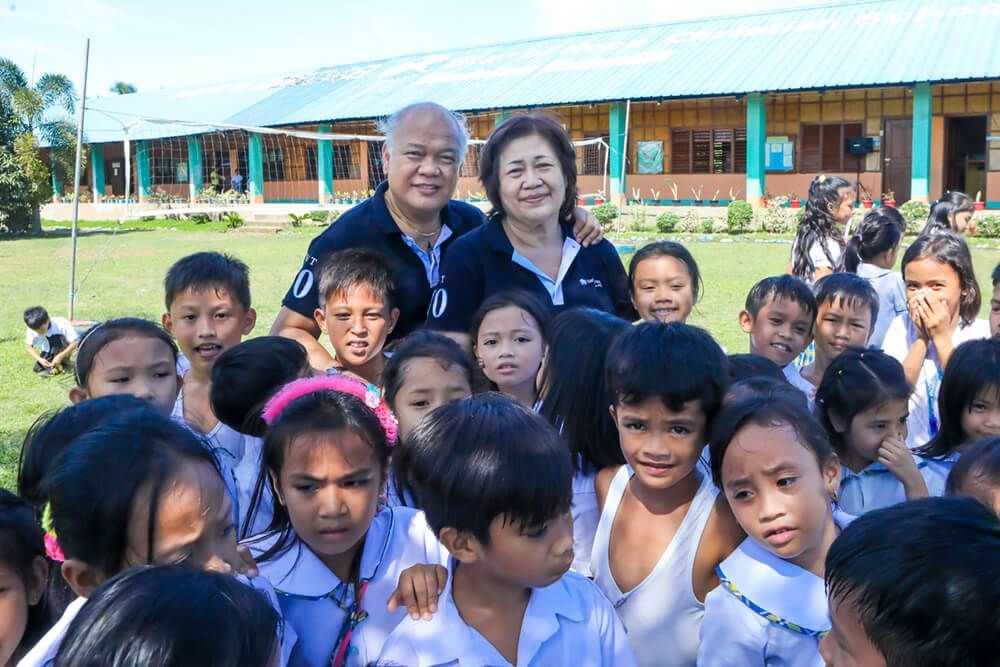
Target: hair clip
369	395
840	371
52	549
858	237
821	178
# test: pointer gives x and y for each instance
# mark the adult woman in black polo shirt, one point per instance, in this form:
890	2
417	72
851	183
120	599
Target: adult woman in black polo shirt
528	168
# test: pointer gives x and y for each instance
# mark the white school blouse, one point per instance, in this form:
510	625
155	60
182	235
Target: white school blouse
923	401
794	376
567	623
661	614
315	602
44	651
586	513
766	611
875	487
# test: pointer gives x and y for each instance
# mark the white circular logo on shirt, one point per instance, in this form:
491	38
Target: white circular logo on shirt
439	302
303	284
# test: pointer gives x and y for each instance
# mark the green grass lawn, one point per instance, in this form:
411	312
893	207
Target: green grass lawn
121	274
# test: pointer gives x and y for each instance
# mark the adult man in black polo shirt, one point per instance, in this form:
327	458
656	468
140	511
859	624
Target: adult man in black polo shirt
410	219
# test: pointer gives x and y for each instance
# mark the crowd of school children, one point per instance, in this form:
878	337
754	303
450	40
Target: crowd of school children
599	493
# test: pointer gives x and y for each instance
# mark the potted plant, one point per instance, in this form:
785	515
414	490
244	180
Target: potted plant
697	194
714	201
636	196
979	204
866	199
794	201
676	199
888	198
654	199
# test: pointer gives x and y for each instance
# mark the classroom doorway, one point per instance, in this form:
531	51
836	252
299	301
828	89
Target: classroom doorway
114	175
897	162
965	155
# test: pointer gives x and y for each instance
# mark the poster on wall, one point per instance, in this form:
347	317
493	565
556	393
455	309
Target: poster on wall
779	154
182	172
650	155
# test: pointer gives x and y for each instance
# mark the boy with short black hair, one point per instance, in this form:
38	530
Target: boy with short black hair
356	310
510	598
778	316
208	312
846	310
915	584
54	336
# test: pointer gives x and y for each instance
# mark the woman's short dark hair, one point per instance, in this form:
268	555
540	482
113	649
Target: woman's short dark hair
574	386
974	366
422	344
767	411
951	249
471	461
524	125
172	616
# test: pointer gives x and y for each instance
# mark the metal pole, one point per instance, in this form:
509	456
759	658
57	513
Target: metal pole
76	181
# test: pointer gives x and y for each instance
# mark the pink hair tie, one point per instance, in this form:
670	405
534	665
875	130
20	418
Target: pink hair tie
369	395
52	549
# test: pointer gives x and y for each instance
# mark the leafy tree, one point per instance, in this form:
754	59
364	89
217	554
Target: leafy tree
123	88
31	113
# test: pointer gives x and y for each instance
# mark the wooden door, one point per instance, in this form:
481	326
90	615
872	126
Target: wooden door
897	151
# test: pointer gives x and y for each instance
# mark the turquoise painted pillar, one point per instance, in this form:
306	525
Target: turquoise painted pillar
756	146
324	167
194	166
57	186
142	166
501	116
616	144
97	171
255	164
920	173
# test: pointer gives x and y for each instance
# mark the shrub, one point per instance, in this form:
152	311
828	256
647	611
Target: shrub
233	220
605	214
707	225
739	217
988	226
666	223
333	216
690	223
319	216
200	218
297	220
915	213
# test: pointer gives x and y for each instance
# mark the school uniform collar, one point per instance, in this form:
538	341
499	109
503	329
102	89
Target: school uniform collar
496	237
541	621
866	270
783	593
298	572
875	468
387	224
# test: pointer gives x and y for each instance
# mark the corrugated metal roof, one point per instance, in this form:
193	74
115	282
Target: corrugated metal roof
836	46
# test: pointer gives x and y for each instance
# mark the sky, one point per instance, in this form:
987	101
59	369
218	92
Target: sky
172	43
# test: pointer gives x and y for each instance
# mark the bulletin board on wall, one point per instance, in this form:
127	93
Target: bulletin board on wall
650	157
779	154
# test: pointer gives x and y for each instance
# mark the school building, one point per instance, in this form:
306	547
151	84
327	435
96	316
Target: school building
903	95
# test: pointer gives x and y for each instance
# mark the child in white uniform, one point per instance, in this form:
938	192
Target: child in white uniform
663	527
969	403
336	554
573	390
944	300
776	468
862	404
510	600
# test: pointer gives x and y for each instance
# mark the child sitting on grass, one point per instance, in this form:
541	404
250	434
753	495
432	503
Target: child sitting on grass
54	337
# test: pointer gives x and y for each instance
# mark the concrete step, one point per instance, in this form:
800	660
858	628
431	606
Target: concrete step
269	218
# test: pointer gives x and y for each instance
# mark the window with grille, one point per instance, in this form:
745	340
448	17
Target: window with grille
822	147
711	151
274	164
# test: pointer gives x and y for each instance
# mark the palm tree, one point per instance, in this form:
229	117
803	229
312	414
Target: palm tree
123	88
35	117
